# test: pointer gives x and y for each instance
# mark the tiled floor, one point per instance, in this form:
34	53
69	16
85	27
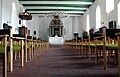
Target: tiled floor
59	62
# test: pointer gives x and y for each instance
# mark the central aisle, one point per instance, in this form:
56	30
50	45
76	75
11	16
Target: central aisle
59	62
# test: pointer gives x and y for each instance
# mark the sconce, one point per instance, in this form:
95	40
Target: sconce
60	14
102	22
8	22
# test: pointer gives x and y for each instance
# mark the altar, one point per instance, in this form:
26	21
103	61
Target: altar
56	31
56	40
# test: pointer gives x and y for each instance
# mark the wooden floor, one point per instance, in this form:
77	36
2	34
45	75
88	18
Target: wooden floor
59	62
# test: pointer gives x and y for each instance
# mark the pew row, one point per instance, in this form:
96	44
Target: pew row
12	48
104	46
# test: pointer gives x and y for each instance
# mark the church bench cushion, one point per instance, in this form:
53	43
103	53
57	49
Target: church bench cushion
16	47
2	49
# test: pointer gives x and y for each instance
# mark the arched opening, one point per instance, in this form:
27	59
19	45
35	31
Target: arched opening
109	6
98	17
118	8
87	23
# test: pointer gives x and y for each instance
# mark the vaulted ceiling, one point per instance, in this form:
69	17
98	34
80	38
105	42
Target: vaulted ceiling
71	7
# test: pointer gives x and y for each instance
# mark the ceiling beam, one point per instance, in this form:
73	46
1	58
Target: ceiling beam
55	10
44	15
46	7
56	2
75	12
58	5
60	0
67	13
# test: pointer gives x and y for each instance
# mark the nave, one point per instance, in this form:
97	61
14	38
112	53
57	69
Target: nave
58	61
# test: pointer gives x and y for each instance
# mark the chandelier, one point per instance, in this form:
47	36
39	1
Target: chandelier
60	14
25	16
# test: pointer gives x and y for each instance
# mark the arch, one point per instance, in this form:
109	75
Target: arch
98	17
118	8
109	6
87	23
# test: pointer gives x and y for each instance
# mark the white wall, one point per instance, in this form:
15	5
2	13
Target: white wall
6	11
104	16
41	25
81	26
114	14
71	25
76	24
15	16
0	12
33	25
92	13
6	15
68	27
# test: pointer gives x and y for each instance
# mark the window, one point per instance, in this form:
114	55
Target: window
109	6
24	22
98	17
13	19
118	7
87	23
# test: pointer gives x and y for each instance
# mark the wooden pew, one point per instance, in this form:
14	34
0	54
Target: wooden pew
9	47
118	40
3	52
106	47
19	47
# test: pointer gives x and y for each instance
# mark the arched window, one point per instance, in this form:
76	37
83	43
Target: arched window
109	6
24	22
98	17
14	21
118	7
87	23
13	17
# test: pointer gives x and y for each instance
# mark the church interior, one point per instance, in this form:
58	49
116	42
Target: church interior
59	38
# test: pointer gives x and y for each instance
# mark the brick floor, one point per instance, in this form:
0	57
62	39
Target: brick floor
59	62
